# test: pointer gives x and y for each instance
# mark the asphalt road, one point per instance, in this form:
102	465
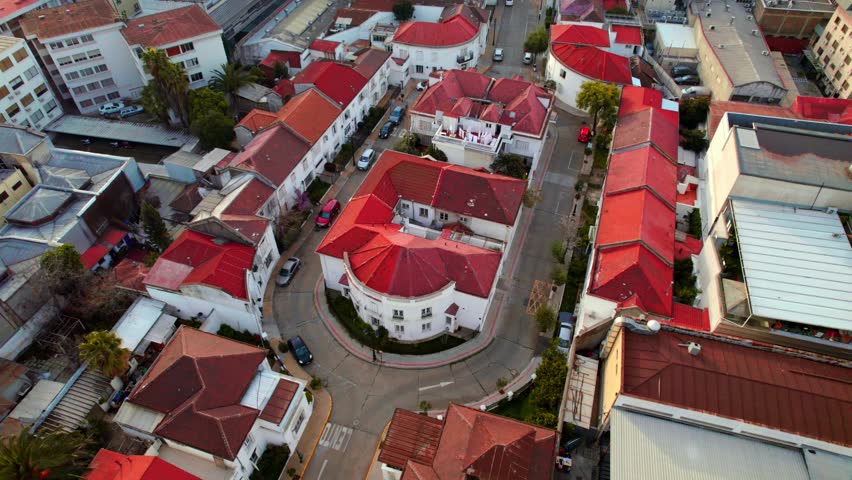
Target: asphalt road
515	23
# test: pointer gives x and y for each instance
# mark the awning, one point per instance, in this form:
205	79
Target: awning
93	255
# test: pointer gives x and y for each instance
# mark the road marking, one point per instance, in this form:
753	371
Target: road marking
440	385
324	462
336	437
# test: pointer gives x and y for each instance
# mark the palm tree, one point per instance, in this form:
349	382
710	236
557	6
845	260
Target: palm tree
104	352
38	457
169	85
230	78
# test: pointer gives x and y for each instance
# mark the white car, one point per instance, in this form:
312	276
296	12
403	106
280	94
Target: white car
366	159
527	58
422	85
288	270
509	3
131	110
110	108
498	55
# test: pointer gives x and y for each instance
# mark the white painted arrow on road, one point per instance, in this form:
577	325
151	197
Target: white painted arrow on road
440	385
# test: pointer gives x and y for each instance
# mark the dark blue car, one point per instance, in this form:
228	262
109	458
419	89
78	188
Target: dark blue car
300	350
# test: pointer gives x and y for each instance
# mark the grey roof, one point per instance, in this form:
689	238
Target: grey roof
797	263
183	158
16	139
649	447
137	132
40	204
795	155
71	168
16	250
166	190
297	24
254	92
740	52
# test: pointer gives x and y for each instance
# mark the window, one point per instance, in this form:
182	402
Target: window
49	106
16	83
423	212
72	76
847	60
443	216
561	73
17	185
101	68
426	312
66	60
37	116
113	95
26	100
299	422
55	45
100	99
463	219
108	82
79	57
192	62
375	321
40	90
79	90
267	260
418	68
254	456
186	47
448	320
4	196
13	110
399	328
71	42
4	91
86	104
398	314
845	28
31	72
196	77
5	64
249	440
834	45
426	327
93	86
87	38
404	206
20	55
94	54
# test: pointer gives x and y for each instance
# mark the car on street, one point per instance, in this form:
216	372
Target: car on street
300	351
682	69
366	159
498	55
110	108
527	58
288	271
386	130
566	331
585	133
509	3
396	114
687	80
422	86
328	213
130	111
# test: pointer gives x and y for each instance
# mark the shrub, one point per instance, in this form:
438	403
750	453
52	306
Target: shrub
282	347
309	396
272	462
501	384
542	418
531	197
545	318
425	406
559	276
695	223
694	140
558	250
245	336
684	281
694	111
316	383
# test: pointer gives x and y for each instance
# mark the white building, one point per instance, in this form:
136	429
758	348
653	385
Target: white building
229	389
420	247
473	118
25	97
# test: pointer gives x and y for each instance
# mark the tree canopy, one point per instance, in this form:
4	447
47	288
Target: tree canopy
599	99
167	90
694	140
63	269
103	351
209	119
537	41
403	10
409	143
511	165
230	78
27	456
436	153
154	227
694	111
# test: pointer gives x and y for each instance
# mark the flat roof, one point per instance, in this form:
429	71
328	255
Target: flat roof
797	263
17	139
137	321
729	32
801	5
137	132
676	36
33	404
647	447
297	24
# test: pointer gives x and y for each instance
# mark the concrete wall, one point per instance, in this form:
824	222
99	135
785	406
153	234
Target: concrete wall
14	186
567	86
710	69
192	299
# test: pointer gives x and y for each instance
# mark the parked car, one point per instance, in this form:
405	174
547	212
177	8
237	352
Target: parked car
288	271
110	108
300	351
687	80
366	159
681	69
585	133
696	92
566	331
117	144
422	86
396	114
130	111
328	213
509	3
386	130
498	55
527	58
86	141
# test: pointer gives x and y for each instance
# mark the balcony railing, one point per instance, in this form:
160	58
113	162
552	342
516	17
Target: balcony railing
482	143
460	59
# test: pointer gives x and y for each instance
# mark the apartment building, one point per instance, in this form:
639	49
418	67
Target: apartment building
832	53
786	18
13	187
25	98
126	8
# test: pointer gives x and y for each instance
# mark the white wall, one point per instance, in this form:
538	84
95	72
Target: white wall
568	86
192	299
429	59
208	51
46	106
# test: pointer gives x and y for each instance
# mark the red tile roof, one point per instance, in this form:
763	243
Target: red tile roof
280	401
718	109
685	316
257	120
410	436
131	274
341	83
356	15
649	126
455	30
66	19
273	153
638	216
194	259
241	213
486	446
579	35
687	247
640	168
310	114
759	387
109	465
635	99
632	273
285	88
370	60
325	46
166	28
834	110
104	244
198	381
291	59
594	63
8	8
627	35
398	263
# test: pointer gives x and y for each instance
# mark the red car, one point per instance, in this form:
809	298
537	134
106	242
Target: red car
584	134
328	213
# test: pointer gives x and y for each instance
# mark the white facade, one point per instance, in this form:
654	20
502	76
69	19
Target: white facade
568	82
424	60
199	56
25	97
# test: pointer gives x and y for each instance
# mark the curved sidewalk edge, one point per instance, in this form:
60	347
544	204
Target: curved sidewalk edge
432	360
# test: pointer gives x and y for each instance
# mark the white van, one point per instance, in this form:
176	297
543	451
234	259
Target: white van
696	92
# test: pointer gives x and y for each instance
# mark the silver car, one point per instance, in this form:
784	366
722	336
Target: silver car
366	159
498	55
288	271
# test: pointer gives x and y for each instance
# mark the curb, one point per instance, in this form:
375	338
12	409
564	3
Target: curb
376	452
328	416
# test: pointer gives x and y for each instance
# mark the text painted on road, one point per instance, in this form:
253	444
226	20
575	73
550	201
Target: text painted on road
336	437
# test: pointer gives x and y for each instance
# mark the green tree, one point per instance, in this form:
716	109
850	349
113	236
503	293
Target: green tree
167	90
205	100
214	130
63	269
537	41
436	153
103	351
47	456
230	78
694	140
403	10
559	276
542	419
695	223
599	99
531	197
693	111
425	406
154	227
545	318
280	71
409	143
510	164
546	393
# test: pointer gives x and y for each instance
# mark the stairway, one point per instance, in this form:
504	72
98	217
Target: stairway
86	392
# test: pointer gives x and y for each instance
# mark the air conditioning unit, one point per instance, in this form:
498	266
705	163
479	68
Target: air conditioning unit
831	210
749	17
721	46
693	348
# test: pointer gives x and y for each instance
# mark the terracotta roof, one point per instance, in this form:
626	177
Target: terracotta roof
687	247
410	436
773	390
341	83
257	120
632	273
579	35
109	465
627	35
451	31
310	114
198	381
649	126
486	446
131	274
325	46
642	168
285	88
638	216
273	153
594	63
685	316
8	8
241	213
67	19
398	263
370	60
172	26
291	59
193	258
280	401
357	16
835	110
452	309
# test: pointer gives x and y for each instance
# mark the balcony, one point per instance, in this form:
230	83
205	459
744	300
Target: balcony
465	58
485	143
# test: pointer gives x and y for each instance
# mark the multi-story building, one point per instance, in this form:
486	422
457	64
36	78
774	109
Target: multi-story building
473	118
786	18
832	52
126	8
13	187
25	97
420	246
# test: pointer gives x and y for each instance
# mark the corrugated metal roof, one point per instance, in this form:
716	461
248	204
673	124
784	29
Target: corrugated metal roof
797	263
137	321
582	387
138	132
649	447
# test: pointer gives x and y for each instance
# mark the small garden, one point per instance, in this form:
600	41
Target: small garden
289	225
316	190
245	336
684	282
579	260
539	404
344	310
271	463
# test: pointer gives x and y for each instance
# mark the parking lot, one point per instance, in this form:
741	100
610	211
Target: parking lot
143	153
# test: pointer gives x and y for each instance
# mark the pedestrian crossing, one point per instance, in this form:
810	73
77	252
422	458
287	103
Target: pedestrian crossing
336	437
